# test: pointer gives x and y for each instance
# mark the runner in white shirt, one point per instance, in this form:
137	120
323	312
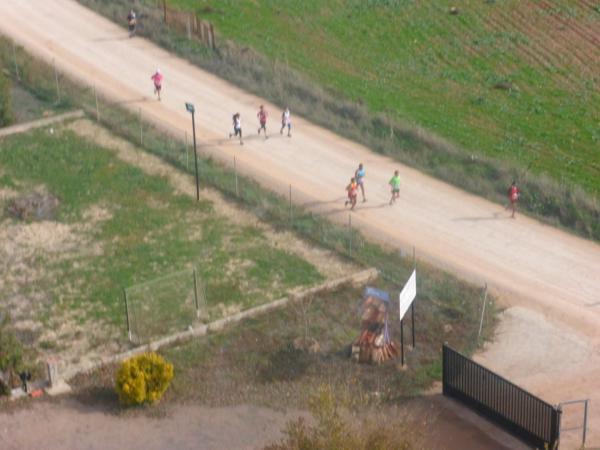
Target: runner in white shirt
237	127
286	122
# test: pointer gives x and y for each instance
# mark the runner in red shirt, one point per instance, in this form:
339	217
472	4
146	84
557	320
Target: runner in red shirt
262	119
157	78
513	195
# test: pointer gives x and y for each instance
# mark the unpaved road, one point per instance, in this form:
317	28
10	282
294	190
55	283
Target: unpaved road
546	271
70	424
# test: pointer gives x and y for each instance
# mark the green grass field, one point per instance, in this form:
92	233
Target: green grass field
115	227
413	60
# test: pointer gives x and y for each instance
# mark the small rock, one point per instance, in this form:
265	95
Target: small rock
454	10
504	85
447	328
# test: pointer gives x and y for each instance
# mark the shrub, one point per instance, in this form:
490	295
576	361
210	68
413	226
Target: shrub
331	431
6	112
11	353
143	379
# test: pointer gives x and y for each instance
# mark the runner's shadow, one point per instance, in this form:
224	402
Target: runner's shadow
109	39
494	216
362	206
321	202
131	100
357	208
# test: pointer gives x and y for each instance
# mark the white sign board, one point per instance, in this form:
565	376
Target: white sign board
408	294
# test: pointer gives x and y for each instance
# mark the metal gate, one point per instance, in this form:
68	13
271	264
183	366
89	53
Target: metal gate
531	419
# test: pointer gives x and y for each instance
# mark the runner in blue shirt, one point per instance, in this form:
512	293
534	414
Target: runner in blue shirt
359	175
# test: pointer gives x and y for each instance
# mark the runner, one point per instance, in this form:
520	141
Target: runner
237	127
262	118
395	185
360	180
131	22
157	78
352	193
286	122
513	194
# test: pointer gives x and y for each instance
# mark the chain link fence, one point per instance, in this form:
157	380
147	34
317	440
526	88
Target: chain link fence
164	305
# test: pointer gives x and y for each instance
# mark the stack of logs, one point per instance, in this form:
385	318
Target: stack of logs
374	344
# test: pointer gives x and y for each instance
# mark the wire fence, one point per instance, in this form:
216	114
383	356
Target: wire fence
164	305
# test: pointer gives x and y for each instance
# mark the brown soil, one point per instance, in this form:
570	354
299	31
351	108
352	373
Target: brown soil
69	423
33	206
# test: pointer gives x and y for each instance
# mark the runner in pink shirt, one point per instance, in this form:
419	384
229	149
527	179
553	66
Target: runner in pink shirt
262	118
157	78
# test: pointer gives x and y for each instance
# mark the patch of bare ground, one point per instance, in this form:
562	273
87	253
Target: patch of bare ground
433	422
7	194
326	262
570	368
26	285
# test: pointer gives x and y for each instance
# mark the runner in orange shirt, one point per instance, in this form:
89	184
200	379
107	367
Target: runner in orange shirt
352	190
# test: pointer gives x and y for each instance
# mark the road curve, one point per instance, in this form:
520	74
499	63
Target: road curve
527	263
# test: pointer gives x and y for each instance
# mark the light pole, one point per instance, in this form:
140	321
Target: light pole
190	108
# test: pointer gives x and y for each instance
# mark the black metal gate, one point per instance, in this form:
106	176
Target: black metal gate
534	421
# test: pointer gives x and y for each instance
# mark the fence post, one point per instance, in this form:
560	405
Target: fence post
52	371
444	369
188	26
555	425
211	36
196	294
585	419
56	79
165	10
15	59
127	315
237	192
97	108
141	128
290	203
350	234
482	311
203	32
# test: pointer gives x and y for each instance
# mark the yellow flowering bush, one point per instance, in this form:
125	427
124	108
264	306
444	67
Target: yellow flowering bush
143	379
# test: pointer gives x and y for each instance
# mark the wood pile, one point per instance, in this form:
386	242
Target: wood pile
374	344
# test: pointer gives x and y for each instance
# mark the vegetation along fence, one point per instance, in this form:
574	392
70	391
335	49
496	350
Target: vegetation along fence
188	23
526	416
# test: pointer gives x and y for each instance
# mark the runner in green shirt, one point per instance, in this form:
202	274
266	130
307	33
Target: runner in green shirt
395	184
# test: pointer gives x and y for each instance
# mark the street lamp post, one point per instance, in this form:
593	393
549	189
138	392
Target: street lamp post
190	108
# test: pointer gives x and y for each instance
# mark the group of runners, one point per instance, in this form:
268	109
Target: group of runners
262	115
356	182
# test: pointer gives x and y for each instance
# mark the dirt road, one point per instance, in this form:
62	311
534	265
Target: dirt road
546	271
72	424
